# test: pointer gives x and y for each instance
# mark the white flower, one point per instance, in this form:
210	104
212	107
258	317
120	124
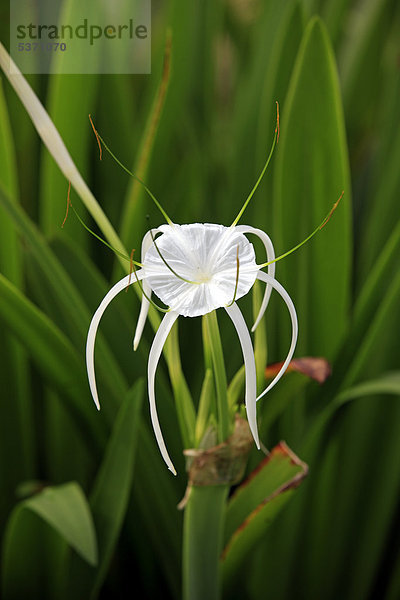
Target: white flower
195	269
205	254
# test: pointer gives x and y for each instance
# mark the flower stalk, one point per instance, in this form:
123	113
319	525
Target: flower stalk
211	473
214	339
202	542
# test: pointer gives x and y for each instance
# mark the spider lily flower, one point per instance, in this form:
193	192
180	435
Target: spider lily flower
200	267
195	269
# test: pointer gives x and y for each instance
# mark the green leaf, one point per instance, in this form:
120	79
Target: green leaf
111	491
184	79
10	259
334	14
371	304
313	150
202	541
372	542
33	558
69	101
122	319
361	63
135	207
388	383
153	515
66	510
15	404
348	489
384	186
378	499
52	353
394	585
62	299
280	66
65	454
287	395
156	497
378	347
50	136
86	276
257	502
48	346
254	106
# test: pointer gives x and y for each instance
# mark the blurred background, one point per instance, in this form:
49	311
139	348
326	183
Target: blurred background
334	68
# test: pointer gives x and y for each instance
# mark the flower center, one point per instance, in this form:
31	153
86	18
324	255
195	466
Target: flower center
203	276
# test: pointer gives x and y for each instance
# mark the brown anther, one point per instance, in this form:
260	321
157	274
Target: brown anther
277	122
334	207
68	204
97	136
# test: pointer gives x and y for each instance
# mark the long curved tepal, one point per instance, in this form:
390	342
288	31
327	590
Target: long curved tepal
55	145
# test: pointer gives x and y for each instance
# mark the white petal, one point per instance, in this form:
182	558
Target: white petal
118	287
281	290
271	268
154	356
250	368
144	308
205	255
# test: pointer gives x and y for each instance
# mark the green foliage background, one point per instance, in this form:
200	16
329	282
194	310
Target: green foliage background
337	79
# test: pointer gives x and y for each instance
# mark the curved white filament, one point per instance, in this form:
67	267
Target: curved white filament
292	311
144	308
154	356
91	337
271	268
249	366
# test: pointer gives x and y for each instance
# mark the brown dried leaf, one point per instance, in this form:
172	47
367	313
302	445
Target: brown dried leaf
315	367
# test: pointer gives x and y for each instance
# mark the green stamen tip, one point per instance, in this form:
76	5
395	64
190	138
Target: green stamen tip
320	226
163	310
138	264
156	202
274	142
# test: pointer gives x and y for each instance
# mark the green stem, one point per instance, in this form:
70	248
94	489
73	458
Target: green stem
221	386
260	340
204	409
202	542
183	399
